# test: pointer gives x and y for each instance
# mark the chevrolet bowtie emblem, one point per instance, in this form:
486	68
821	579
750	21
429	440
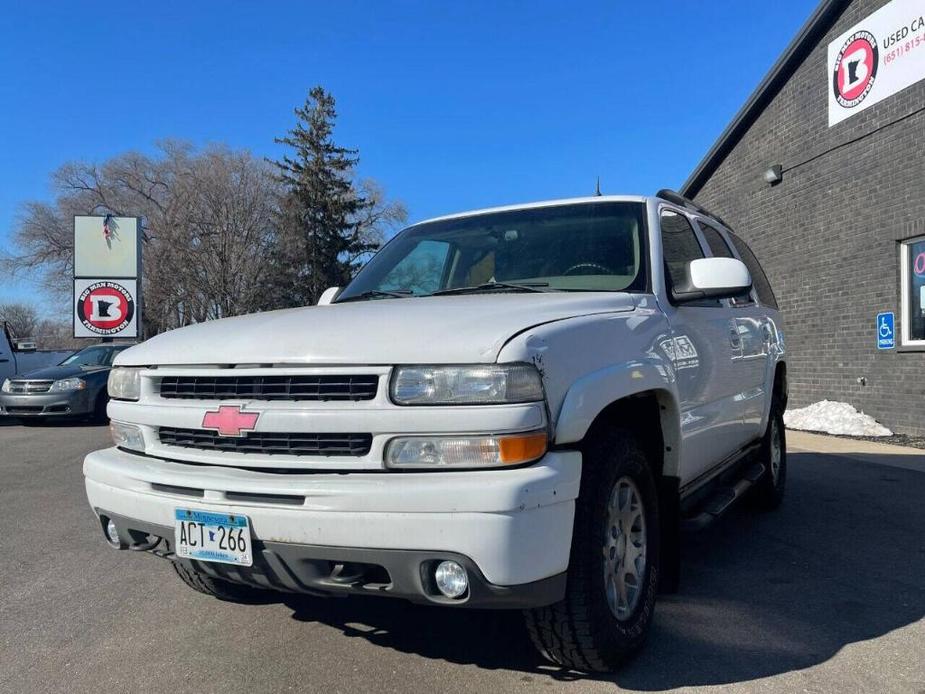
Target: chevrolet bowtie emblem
230	420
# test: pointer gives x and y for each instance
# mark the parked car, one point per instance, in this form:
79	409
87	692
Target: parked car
513	408
74	388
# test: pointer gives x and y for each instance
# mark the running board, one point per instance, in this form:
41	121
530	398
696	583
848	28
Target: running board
722	499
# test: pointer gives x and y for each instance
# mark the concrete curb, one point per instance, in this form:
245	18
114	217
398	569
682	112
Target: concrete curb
857	449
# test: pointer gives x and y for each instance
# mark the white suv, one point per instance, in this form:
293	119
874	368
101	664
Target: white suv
519	407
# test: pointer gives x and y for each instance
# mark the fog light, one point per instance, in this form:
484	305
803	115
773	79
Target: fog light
112	532
451	579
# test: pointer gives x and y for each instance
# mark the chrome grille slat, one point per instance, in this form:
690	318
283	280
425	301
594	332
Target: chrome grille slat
271	387
271	443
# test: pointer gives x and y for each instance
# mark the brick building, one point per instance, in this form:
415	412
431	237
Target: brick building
836	214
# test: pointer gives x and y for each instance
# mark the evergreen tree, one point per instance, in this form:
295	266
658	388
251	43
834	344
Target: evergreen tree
321	227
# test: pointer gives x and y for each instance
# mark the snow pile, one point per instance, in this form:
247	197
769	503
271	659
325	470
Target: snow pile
833	417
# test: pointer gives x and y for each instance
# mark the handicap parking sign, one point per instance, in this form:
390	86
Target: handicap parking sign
886	335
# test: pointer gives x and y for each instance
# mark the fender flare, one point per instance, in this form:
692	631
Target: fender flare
592	393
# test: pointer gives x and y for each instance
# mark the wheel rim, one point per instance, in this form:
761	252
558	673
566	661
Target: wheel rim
776	452
624	548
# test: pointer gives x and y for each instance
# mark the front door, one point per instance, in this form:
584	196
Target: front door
750	332
704	341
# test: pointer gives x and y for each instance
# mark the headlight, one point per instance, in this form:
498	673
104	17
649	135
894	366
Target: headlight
419	452
489	384
6	386
67	384
124	383
127	436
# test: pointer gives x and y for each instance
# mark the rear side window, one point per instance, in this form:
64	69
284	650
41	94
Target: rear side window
715	241
759	279
679	245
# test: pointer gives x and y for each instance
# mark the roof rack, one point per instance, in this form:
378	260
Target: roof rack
678	199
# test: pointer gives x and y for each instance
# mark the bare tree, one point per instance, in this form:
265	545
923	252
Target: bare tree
22	319
202	232
378	219
209	223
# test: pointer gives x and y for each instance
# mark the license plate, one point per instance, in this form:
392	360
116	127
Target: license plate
207	536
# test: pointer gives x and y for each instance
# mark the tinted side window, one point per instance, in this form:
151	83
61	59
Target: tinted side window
715	241
759	279
679	245
720	249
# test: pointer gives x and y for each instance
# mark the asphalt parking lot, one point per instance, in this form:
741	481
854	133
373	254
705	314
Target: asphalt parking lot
825	595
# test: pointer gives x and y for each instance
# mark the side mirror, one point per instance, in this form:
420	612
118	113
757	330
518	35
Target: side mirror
712	278
328	295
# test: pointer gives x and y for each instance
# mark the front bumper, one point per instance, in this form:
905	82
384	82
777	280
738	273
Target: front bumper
511	529
341	571
77	402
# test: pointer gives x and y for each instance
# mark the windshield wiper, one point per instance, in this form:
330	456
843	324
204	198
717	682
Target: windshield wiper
377	294
494	286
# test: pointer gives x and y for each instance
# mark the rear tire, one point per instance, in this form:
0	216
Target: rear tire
216	587
769	490
613	568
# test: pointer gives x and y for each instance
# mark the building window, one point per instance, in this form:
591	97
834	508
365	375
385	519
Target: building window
913	292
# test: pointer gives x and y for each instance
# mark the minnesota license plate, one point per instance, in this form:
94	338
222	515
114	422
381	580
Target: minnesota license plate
207	536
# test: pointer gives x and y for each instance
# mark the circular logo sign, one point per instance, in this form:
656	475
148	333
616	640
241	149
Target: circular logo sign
105	308
855	69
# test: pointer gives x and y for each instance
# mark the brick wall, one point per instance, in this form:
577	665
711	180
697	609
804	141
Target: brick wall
827	234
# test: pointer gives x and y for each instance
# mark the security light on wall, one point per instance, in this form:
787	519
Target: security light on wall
774	174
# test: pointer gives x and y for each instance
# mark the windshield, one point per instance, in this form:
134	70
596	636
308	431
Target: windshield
595	246
93	356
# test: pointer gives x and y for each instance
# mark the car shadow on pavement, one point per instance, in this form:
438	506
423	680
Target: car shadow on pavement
762	594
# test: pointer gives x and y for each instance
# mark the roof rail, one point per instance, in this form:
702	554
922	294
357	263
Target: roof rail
678	199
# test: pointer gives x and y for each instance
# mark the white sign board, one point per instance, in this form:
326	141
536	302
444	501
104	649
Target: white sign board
874	59
106	246
106	308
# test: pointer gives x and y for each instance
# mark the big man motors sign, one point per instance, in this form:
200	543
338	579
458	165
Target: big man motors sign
107	276
879	56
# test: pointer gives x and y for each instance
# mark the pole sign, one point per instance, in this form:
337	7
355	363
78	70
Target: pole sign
881	55
107	276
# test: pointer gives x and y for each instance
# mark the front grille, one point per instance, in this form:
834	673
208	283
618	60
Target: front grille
24	409
295	387
21	387
272	443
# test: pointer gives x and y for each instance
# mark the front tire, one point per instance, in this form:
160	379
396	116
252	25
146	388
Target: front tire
613	568
216	587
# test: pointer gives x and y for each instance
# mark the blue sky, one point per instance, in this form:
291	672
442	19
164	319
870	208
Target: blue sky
452	105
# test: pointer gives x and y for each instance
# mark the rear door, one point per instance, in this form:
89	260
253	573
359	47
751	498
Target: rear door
702	347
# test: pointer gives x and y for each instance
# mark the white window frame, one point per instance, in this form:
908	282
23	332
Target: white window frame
905	305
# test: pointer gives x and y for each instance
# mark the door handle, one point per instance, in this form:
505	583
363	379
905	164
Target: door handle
734	338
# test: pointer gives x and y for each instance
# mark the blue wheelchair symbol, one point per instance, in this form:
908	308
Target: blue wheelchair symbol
886	334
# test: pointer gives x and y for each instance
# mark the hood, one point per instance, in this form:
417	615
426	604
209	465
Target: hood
56	373
439	329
